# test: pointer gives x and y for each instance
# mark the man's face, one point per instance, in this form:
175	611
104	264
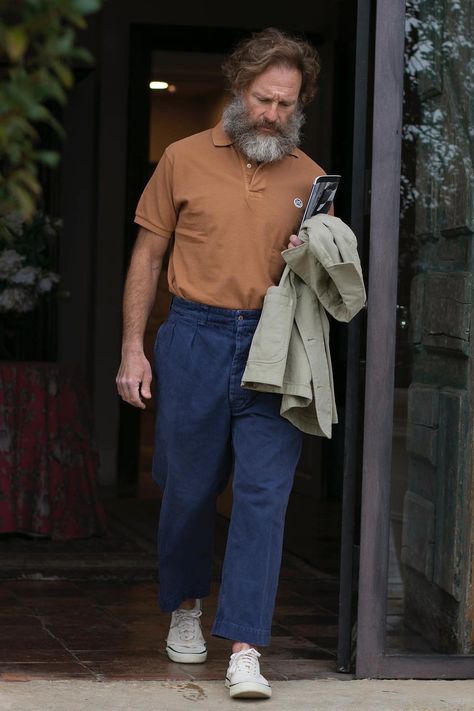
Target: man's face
265	119
272	98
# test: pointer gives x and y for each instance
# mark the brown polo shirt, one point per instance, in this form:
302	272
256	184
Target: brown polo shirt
230	217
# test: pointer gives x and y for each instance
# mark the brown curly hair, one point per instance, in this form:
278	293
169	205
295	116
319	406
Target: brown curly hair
272	47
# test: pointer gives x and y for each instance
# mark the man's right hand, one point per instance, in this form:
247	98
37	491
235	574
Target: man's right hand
134	379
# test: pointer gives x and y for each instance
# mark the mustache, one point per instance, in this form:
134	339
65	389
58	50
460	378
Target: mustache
273	125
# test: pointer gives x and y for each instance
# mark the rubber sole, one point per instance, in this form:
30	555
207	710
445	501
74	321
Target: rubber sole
183	658
248	690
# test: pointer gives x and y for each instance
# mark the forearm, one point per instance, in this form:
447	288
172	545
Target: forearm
138	299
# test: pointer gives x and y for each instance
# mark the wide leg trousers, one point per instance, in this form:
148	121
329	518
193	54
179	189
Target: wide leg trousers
206	426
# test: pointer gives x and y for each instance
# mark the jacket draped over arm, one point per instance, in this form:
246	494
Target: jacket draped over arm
290	348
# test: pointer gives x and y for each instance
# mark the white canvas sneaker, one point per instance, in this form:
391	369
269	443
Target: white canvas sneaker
243	678
185	642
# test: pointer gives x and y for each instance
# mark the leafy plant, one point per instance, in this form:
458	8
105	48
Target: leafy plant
24	270
37	49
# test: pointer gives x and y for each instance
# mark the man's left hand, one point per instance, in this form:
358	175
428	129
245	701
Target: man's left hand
295	241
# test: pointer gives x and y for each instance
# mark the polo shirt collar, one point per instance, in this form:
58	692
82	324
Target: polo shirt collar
220	138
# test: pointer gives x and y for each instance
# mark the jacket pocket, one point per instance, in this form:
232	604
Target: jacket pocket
272	335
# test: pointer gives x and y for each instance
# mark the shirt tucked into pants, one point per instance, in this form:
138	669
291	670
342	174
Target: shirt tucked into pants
207	426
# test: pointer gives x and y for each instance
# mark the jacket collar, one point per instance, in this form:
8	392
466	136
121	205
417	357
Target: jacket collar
220	138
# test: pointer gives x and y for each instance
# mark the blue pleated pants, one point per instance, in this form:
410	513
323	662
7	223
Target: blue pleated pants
207	426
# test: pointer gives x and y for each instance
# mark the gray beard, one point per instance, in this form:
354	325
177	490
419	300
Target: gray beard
252	143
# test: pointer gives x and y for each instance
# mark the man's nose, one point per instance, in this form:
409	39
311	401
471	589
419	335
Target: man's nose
271	113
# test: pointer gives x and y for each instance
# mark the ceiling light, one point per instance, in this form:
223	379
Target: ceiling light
158	85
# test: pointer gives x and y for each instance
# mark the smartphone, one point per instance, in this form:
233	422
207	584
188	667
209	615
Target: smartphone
322	195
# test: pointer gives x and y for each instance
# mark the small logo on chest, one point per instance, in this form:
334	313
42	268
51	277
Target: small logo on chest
298	202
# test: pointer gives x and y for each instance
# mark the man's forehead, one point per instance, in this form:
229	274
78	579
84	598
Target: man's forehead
280	79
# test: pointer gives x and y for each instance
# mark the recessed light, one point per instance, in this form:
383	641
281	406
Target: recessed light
158	85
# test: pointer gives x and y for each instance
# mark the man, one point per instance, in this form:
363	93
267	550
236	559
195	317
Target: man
231	198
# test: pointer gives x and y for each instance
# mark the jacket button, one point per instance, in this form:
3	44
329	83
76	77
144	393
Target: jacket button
240	317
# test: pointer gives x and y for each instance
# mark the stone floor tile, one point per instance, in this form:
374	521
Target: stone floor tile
45	588
18	655
126	664
303	669
313	630
43	670
28	641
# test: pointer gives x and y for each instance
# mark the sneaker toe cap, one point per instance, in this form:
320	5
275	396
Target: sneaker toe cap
187	648
242	677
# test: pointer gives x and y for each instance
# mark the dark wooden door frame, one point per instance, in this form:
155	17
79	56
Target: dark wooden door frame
354	374
371	659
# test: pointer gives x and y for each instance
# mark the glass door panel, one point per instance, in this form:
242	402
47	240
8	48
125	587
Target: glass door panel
431	483
415	610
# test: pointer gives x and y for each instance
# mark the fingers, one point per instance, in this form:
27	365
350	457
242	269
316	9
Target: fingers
132	395
133	381
129	391
295	241
145	390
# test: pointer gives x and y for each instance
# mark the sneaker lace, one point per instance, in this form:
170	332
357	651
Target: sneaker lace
247	661
187	624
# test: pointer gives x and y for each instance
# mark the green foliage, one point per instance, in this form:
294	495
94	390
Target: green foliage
25	276
37	48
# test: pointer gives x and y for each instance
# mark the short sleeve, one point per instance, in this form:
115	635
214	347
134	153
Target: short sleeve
156	210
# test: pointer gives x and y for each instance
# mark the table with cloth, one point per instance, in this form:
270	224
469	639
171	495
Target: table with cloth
48	453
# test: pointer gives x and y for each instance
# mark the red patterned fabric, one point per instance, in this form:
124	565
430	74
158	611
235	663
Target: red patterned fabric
48	454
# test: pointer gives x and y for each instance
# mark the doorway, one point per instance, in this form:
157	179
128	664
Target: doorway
380	398
177	56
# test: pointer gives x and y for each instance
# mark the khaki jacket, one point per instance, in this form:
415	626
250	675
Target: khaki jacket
290	348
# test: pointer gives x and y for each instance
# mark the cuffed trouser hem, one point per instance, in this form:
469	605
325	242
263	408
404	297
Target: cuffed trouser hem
172	604
241	633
